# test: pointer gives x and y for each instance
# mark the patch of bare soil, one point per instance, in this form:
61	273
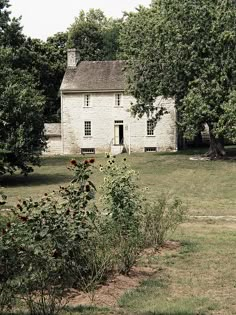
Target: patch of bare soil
109	293
199	158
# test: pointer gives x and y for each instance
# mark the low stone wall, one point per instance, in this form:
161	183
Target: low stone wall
54	143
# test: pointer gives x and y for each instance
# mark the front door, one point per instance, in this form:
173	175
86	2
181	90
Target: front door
118	132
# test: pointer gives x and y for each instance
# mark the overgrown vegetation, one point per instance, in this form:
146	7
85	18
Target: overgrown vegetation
63	240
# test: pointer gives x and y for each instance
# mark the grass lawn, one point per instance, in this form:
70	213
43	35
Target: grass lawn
199	276
207	187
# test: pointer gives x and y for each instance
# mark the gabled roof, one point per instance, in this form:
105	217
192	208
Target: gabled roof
95	76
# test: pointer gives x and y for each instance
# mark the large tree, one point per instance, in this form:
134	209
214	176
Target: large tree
21	104
46	61
185	49
95	35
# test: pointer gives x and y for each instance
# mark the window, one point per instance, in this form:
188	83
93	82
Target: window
87	100
87	150
117	100
87	128
150	128
150	149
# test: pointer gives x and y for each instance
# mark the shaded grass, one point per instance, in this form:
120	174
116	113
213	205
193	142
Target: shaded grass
208	187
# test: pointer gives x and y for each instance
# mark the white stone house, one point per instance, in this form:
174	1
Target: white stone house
95	114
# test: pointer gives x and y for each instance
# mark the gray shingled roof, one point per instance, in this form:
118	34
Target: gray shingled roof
95	76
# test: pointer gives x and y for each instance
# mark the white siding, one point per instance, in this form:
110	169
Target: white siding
102	113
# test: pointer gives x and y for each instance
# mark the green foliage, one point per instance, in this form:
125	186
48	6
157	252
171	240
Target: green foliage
161	218
185	50
123	202
95	36
21	121
10	31
46	61
47	242
21	104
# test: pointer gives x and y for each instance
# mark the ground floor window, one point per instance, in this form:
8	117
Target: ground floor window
150	128
87	128
150	149
87	150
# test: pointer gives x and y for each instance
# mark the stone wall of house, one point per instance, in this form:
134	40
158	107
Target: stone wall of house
54	142
102	112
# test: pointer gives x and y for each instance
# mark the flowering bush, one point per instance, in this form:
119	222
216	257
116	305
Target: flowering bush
46	247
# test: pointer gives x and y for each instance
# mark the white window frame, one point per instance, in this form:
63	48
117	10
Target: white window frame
118	100
87	100
87	128
150	128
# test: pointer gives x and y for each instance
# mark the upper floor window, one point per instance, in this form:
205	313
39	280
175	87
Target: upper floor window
118	100
150	128
87	100
87	128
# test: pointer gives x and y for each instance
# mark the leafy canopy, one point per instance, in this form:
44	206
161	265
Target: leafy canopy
21	103
185	49
95	36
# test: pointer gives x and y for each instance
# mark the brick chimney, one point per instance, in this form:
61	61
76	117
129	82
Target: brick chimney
73	58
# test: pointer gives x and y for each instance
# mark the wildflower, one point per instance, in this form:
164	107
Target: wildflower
56	253
22	218
86	162
73	162
87	188
92	160
19	206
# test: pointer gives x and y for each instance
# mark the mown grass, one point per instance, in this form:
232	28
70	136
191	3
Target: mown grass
207	187
197	278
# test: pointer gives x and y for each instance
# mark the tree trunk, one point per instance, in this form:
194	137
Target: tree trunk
216	149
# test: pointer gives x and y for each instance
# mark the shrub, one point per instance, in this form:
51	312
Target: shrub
161	218
123	201
3	198
43	249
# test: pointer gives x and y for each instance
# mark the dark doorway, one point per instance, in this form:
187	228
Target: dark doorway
121	134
